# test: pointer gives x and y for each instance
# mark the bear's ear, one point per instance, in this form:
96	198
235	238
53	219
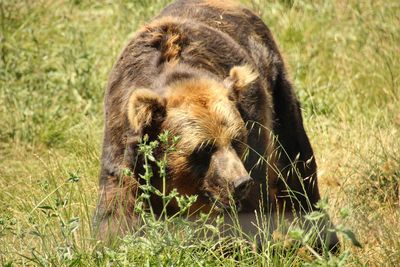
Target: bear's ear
239	80
145	109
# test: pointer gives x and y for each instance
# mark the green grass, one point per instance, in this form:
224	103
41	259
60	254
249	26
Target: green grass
55	56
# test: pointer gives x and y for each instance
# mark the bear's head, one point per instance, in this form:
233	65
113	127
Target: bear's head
203	112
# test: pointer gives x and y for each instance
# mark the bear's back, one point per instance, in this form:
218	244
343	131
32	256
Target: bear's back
212	35
227	16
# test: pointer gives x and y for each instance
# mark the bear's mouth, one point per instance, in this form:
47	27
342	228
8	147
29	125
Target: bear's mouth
222	206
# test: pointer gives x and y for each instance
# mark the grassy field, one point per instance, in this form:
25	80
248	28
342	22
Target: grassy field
55	56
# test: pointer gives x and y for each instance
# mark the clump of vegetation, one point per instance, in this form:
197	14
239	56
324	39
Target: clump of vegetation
54	62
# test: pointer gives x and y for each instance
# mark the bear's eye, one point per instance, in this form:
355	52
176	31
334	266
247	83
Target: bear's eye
239	146
200	158
204	151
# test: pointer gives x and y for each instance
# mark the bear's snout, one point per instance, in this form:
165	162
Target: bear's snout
242	187
227	177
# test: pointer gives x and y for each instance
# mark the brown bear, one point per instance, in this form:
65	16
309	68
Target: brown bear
209	72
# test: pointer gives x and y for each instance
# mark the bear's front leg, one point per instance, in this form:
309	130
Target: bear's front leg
115	210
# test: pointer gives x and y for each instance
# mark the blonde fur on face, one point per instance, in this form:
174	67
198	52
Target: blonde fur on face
199	110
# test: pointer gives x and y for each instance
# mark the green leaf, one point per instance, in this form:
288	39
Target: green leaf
147	188
344	213
296	234
73	178
127	172
314	216
151	158
46	207
73	224
350	235
322	204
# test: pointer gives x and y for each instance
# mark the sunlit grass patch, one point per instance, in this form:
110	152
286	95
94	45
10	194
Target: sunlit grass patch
55	57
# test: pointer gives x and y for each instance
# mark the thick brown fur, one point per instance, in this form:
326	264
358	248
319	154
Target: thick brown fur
208	71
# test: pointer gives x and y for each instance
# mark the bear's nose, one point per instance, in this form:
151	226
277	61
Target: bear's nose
242	186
